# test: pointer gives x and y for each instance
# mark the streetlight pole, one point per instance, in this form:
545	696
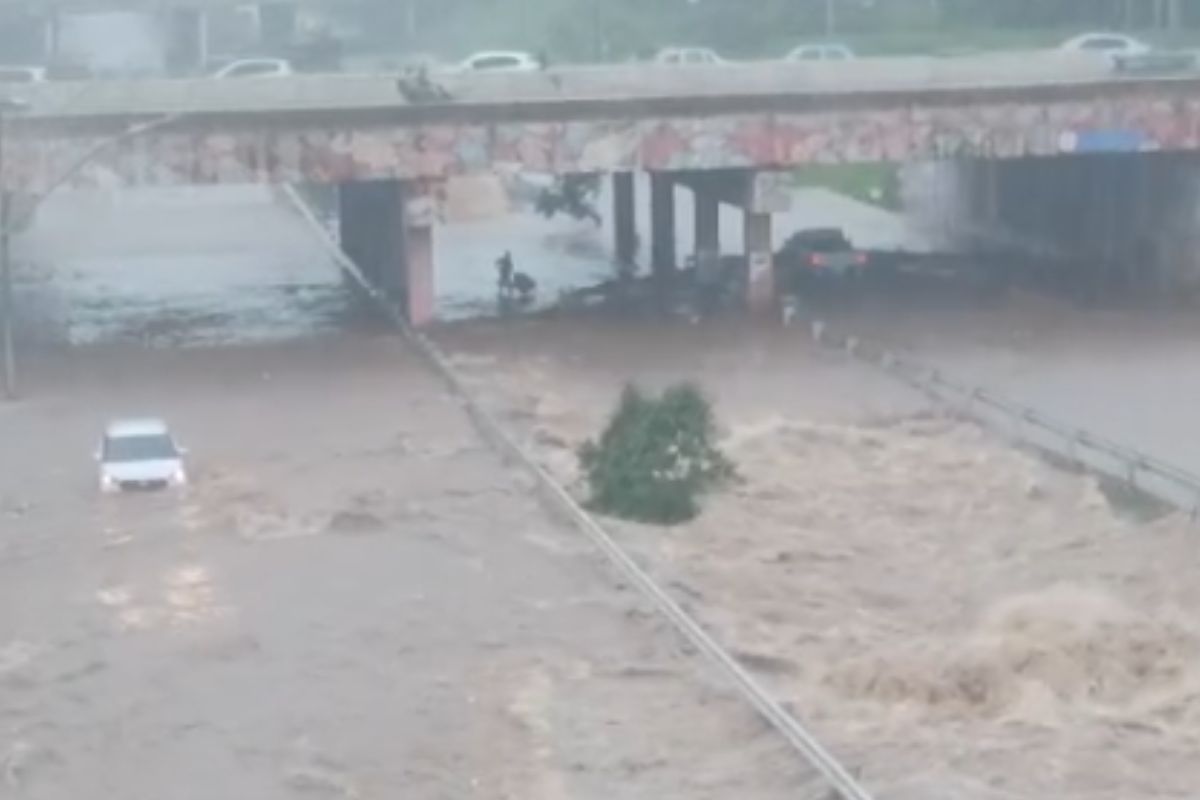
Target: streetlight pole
6	299
830	18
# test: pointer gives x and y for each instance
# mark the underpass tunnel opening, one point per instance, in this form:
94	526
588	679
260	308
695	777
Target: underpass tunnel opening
163	267
1095	227
619	239
1116	226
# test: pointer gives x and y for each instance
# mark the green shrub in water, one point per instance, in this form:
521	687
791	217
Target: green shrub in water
656	457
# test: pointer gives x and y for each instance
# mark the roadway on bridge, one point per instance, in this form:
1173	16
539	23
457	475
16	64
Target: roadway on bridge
564	84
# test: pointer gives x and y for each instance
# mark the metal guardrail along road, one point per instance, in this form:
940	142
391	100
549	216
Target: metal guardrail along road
1167	483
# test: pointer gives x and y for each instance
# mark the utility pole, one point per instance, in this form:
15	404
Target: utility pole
6	299
830	18
410	21
1174	16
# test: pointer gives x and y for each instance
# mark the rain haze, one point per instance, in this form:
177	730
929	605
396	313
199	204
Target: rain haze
548	399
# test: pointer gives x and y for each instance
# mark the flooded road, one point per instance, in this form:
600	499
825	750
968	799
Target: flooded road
1129	375
206	265
173	266
941	608
356	598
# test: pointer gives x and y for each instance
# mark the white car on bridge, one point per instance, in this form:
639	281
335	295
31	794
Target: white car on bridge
1110	44
687	56
256	68
820	51
501	61
16	74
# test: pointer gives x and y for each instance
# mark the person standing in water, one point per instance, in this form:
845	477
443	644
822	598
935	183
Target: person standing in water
504	266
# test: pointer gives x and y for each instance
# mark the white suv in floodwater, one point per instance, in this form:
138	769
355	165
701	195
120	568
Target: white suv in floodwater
140	454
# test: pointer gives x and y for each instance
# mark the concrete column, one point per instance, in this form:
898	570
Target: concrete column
367	212
662	225
760	284
708	235
991	192
624	219
416	257
386	229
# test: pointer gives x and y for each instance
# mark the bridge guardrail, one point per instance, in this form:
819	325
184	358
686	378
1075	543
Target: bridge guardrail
1144	474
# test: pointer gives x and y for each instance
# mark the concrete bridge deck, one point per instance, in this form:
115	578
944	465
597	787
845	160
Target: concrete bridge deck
765	116
569	84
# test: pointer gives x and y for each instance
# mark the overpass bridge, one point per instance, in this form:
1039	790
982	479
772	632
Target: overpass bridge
724	131
595	119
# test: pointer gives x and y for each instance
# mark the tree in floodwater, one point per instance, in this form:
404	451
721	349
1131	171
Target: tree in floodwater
656	457
573	195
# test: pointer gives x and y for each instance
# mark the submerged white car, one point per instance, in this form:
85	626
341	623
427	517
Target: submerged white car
140	454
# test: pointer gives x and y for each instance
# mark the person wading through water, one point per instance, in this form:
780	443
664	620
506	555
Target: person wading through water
504	269
510	282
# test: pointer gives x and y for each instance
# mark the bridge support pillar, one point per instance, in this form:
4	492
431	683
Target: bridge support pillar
366	211
708	238
990	180
624	219
386	228
760	272
662	226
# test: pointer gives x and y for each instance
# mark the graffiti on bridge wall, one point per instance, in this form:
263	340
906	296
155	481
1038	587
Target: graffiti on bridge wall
277	153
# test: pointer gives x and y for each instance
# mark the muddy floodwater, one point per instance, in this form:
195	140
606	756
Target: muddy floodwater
357	599
956	617
354	599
